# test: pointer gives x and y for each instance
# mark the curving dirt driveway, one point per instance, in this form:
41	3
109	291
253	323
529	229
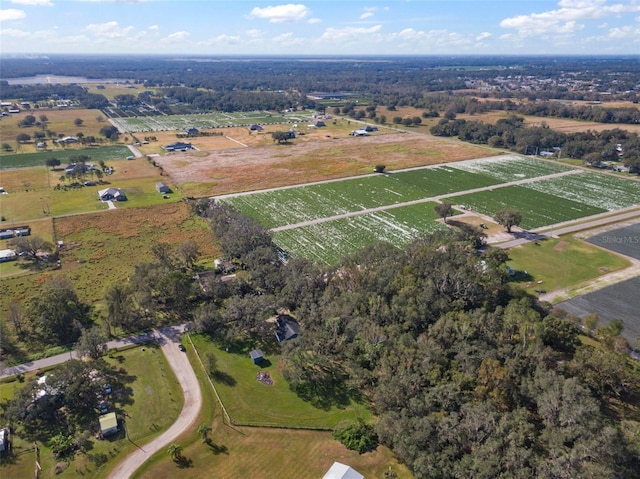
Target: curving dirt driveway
169	339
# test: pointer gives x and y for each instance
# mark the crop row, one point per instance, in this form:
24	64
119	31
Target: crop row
329	241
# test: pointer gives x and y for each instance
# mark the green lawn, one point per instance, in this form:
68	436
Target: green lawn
155	401
258	452
250	402
562	262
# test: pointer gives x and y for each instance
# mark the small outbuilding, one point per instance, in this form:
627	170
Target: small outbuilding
7	255
108	424
162	188
256	356
342	471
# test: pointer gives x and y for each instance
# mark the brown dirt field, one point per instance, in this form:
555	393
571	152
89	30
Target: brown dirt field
216	172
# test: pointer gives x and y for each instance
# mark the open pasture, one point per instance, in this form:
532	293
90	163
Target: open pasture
218	172
329	241
59	121
295	205
143	124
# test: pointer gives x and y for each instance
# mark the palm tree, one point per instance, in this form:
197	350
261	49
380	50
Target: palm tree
204	430
175	451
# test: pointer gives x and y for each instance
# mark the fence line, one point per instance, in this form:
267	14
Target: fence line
224	410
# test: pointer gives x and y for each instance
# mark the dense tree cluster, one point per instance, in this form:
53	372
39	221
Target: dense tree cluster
468	377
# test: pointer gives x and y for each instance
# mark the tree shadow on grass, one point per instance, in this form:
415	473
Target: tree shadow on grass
183	462
223	378
218	448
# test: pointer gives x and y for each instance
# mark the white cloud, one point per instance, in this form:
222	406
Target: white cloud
13	32
628	31
11	14
178	36
288	40
44	3
314	20
366	15
108	30
483	36
254	33
281	13
349	33
565	19
223	40
154	27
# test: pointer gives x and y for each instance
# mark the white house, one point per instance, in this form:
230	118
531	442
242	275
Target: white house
342	471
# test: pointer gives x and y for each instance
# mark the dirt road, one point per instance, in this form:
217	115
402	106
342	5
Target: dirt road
168	339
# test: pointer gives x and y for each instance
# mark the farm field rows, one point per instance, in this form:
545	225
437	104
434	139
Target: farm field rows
206	120
295	205
544	201
329	241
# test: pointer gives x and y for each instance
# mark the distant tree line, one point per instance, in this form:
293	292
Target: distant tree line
513	134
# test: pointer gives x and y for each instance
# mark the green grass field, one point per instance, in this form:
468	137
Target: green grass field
249	402
29	160
259	452
562	262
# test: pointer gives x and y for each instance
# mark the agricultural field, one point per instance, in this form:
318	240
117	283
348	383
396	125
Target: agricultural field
143	124
538	208
203	173
333	218
30	160
295	205
327	242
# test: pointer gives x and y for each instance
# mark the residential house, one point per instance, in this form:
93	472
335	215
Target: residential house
162	187
112	194
342	471
177	146
67	139
286	328
255	127
191	131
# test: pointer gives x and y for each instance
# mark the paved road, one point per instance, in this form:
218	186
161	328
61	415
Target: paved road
61	358
168	339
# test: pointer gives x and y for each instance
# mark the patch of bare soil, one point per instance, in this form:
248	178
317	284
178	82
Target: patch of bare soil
561	246
221	171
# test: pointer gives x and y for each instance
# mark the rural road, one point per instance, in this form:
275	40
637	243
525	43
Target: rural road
168	339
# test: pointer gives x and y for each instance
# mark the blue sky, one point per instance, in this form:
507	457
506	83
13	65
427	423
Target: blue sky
372	27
